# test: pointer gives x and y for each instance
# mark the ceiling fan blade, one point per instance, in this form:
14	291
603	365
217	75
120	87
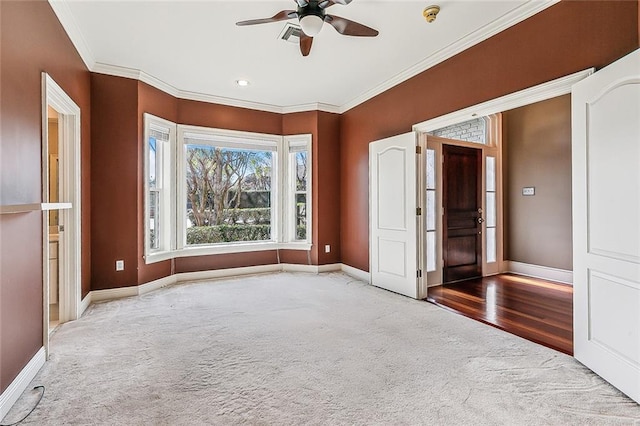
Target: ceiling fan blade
280	16
305	44
323	4
350	28
302	3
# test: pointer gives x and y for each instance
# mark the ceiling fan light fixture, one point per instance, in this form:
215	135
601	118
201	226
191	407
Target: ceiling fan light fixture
311	24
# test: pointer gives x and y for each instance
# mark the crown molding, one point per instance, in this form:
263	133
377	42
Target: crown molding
317	106
64	14
509	19
68	21
135	74
202	97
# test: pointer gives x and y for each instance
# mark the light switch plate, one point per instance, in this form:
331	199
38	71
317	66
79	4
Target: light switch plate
327	248
529	190
119	265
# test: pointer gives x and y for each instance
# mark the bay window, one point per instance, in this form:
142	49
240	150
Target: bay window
225	191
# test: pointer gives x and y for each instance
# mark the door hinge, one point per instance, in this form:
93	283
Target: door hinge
418	273
418	211
418	149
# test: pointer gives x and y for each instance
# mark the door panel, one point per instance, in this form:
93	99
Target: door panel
606	219
393	225
462	231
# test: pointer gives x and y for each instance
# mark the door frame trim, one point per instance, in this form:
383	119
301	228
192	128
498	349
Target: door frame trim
70	177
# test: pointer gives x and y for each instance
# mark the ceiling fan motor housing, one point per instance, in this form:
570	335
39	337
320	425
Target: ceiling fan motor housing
312	8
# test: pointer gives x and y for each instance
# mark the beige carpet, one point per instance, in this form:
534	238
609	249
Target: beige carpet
302	349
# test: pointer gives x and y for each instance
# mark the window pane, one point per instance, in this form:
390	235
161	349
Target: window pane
301	216
301	171
431	251
154	228
491	245
153	163
228	194
431	210
491	174
431	169
491	209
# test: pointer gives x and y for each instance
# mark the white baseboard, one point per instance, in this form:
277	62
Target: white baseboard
84	304
156	284
330	268
223	273
537	271
356	273
20	383
312	269
113	293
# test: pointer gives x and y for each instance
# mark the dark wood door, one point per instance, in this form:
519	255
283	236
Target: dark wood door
462	230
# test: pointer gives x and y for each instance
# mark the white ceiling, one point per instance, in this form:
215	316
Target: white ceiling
193	49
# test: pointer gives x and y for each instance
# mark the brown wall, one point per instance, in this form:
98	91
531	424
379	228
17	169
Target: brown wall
224	261
565	38
25	26
537	152
226	117
326	185
114	176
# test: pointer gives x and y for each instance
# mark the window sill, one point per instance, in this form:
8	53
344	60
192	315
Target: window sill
224	249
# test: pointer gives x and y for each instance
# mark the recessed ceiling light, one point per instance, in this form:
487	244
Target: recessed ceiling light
242	83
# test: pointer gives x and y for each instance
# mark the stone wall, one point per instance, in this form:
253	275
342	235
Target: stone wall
471	131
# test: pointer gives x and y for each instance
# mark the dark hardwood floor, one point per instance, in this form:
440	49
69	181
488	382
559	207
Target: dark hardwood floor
538	310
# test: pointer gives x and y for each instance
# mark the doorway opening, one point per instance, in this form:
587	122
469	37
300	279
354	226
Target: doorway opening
525	214
53	141
463	227
62	222
535	142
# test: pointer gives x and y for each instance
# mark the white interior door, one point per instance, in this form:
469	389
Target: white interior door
393	223
606	218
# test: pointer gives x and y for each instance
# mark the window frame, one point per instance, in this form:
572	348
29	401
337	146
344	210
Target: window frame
289	203
165	205
231	139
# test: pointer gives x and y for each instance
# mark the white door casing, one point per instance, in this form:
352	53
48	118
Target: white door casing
394	226
69	249
606	223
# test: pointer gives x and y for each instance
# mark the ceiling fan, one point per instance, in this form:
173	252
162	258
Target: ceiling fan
312	15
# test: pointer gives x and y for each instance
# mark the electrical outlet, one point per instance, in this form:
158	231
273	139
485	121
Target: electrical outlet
119	265
327	248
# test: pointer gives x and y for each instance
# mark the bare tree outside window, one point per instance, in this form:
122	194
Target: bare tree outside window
228	194
301	195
